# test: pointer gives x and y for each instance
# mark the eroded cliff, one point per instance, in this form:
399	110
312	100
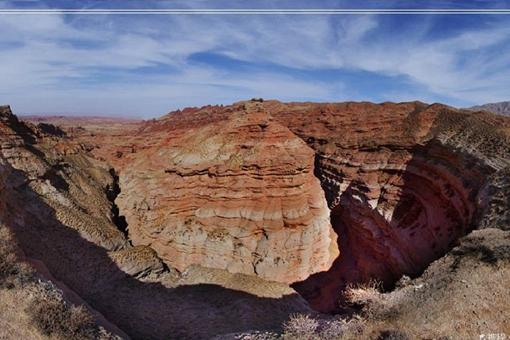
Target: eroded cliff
263	189
233	190
403	182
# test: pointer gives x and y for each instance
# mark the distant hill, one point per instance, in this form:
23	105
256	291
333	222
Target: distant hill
502	108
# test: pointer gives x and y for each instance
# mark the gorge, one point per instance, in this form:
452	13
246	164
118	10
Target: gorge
235	203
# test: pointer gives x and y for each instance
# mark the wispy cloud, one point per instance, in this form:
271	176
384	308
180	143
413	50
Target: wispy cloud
148	65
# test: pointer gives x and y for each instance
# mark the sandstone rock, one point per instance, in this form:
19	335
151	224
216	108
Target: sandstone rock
35	165
234	191
56	199
403	181
232	187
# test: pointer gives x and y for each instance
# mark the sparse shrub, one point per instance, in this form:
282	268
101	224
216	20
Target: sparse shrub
342	329
363	294
12	271
404	281
48	310
300	327
54	317
355	327
304	327
375	304
8	268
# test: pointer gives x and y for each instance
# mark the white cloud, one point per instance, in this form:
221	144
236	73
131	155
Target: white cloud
41	53
45	58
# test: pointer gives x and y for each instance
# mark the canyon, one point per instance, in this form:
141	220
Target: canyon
225	219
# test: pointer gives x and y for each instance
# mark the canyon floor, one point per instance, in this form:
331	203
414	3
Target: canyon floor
257	220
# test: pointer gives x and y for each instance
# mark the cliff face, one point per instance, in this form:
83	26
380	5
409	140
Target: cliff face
233	190
403	182
237	188
257	188
56	201
36	164
50	188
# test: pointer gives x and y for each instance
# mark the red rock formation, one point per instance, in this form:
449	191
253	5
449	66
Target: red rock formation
229	189
226	187
402	182
48	181
56	200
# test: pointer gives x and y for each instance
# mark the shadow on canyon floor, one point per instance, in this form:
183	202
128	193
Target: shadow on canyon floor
142	310
433	204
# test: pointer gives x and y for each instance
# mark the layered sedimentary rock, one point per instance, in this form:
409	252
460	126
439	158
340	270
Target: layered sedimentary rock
228	188
56	201
231	187
49	181
403	181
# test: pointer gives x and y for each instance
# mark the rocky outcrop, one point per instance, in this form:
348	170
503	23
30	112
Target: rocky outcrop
47	181
128	285
229	189
34	165
260	188
138	261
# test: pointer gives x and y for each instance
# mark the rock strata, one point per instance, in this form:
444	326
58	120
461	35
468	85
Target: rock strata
229	189
403	182
237	187
48	182
35	164
58	199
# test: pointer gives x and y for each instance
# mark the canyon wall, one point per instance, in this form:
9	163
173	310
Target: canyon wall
228	188
403	182
57	201
237	187
36	164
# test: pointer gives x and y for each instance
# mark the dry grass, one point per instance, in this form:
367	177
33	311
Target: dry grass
374	303
305	327
460	296
12	271
376	309
300	327
364	294
54	317
33	308
15	323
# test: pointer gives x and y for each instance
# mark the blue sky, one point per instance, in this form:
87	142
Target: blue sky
143	65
